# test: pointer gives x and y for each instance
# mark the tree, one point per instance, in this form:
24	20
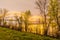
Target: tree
42	6
19	20
26	16
3	11
0	16
53	12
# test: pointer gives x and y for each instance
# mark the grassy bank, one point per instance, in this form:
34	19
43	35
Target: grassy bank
8	34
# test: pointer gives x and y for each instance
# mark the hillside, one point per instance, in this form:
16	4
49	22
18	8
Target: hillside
8	34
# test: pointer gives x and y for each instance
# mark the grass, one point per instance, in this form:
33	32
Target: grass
8	34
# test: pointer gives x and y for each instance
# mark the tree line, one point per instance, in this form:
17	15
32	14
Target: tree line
49	10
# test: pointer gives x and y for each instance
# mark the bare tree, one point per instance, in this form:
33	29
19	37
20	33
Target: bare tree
19	20
42	6
3	11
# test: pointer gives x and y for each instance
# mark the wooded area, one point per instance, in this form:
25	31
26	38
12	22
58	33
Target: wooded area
49	25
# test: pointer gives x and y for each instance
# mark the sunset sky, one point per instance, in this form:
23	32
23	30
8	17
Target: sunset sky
19	5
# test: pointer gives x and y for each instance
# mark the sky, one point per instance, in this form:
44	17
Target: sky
19	5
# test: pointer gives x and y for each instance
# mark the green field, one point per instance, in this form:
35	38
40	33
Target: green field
8	34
